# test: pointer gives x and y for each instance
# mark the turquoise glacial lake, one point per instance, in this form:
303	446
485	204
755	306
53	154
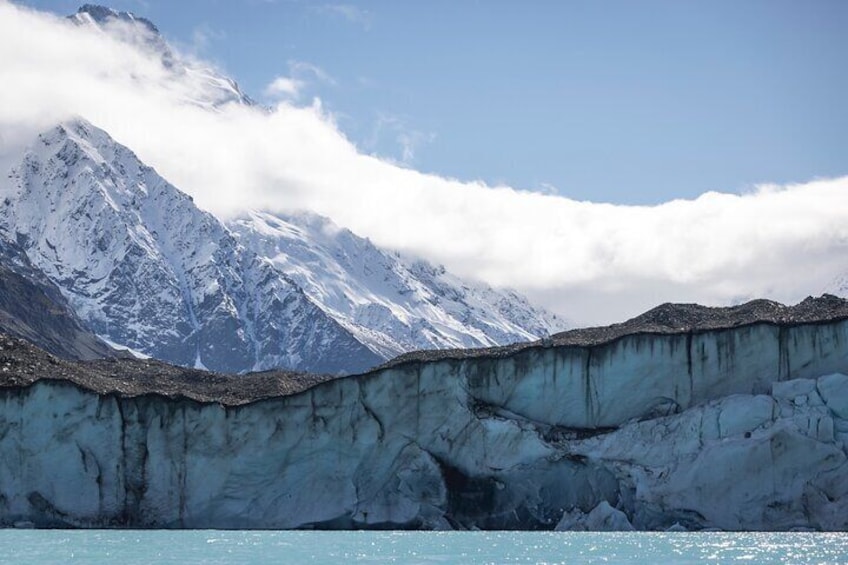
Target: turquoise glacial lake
210	546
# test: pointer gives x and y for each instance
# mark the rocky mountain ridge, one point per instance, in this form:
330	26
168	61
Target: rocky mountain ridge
666	319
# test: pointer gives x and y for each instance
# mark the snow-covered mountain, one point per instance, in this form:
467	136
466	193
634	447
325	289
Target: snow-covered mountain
838	286
388	302
146	269
203	85
32	307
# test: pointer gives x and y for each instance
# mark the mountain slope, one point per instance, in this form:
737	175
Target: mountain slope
146	269
207	87
33	308
392	304
143	266
838	286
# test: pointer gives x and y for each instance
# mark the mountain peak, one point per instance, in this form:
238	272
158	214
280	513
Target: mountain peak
205	85
78	130
94	13
77	143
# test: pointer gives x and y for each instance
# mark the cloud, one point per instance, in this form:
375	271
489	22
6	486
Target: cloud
203	36
348	12
592	262
408	139
303	69
301	74
282	87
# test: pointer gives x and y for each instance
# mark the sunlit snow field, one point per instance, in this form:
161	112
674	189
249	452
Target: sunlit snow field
165	546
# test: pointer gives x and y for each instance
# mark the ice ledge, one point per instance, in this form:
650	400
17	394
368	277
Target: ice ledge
674	356
666	319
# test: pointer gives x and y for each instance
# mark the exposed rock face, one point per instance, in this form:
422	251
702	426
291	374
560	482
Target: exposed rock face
22	364
731	427
32	307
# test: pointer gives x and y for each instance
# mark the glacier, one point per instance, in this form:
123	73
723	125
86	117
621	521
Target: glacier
682	419
738	425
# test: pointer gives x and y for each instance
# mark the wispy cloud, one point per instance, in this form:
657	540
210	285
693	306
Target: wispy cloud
303	69
203	35
284	87
301	74
348	12
548	188
408	139
596	262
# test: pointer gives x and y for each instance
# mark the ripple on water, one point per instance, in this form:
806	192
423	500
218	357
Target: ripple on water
137	546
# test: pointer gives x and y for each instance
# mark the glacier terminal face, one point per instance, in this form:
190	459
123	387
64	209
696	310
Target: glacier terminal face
709	426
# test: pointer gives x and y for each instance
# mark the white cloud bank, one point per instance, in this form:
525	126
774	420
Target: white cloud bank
591	262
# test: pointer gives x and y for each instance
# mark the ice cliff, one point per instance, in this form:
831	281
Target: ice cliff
688	417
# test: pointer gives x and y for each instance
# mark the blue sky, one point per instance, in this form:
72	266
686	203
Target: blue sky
568	112
613	101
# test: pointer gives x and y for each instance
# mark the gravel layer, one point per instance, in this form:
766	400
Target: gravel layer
22	364
664	319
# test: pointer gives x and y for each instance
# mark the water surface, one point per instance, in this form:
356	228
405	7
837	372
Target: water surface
212	546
